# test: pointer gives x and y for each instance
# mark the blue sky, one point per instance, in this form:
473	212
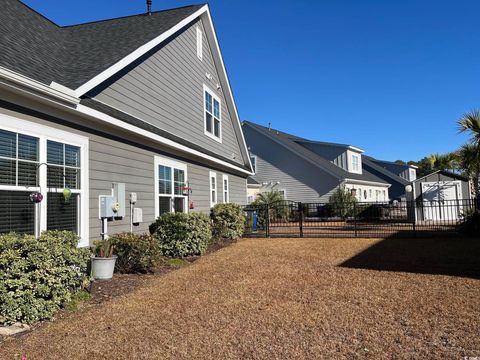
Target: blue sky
390	76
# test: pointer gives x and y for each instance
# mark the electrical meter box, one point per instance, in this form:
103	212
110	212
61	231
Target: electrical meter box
119	195
107	205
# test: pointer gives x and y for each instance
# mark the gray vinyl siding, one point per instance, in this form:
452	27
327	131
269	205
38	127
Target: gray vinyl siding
398	169
166	90
396	190
132	162
301	181
441	177
335	154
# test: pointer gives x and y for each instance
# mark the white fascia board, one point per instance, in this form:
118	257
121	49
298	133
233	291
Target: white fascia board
354	148
22	84
97	115
127	60
353	181
218	54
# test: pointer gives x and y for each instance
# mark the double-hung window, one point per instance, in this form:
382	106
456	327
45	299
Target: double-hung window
19	160
226	189
213	188
38	159
63	172
171	186
212	110
355	163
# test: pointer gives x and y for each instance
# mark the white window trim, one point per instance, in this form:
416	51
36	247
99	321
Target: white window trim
213	174
199	34
160	160
44	133
254	168
226	192
214	96
350	155
284	193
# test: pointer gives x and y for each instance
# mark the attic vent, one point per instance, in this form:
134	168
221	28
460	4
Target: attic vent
149	7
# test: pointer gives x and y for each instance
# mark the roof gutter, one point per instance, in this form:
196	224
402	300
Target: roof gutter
367	182
36	90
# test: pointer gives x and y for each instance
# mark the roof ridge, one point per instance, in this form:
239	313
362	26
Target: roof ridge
130	16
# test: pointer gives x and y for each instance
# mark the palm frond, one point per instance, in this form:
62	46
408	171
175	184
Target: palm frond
470	122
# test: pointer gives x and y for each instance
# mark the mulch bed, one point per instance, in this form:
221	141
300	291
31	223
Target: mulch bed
102	291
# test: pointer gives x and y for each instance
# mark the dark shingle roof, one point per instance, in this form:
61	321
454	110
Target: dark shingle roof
252	181
34	46
293	143
370	162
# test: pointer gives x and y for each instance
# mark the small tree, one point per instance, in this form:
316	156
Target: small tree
273	202
342	202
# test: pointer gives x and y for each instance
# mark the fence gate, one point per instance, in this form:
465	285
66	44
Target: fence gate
413	218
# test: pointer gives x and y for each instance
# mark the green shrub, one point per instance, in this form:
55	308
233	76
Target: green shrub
228	221
38	276
342	203
471	223
181	234
136	253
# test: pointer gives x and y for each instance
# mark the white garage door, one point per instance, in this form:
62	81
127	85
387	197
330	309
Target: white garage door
440	200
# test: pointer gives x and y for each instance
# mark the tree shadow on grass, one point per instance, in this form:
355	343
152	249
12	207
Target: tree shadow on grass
455	256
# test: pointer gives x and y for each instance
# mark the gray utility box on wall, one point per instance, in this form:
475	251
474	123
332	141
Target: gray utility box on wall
107	204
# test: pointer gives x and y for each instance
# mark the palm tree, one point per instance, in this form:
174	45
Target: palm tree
470	122
470	153
269	198
469	161
446	161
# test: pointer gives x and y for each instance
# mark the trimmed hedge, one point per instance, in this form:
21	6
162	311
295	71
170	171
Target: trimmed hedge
228	221
38	276
136	253
181	234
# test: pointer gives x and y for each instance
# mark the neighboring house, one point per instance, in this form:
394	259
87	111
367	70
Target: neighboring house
142	100
309	171
398	175
443	194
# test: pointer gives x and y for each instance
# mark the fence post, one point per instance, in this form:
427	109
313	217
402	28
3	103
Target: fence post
300	209
267	228
355	217
414	217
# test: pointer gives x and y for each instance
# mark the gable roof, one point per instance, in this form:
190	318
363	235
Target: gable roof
34	46
370	162
444	172
293	143
64	63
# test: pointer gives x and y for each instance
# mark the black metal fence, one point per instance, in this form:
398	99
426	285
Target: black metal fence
412	218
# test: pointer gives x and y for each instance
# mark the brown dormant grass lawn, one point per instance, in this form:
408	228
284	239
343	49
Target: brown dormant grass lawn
286	299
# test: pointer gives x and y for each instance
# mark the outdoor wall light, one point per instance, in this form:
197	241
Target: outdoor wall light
408	188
